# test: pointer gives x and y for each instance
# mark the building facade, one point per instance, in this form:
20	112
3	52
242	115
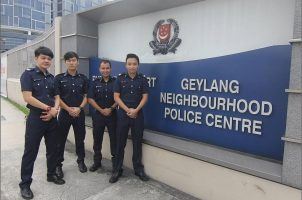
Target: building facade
24	20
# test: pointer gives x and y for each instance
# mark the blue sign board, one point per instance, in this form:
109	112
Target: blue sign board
236	101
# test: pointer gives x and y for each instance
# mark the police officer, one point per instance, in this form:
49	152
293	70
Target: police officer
100	96
72	88
37	86
131	94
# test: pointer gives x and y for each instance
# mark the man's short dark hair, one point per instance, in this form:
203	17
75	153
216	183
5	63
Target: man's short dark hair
132	55
43	51
71	54
105	61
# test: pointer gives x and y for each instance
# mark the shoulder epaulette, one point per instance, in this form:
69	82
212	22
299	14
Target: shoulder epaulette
30	69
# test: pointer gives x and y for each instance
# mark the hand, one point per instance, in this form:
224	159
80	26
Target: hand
107	111
71	112
76	110
54	112
132	113
46	116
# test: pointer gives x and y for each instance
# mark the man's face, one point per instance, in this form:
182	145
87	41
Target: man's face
43	61
72	63
105	69
132	65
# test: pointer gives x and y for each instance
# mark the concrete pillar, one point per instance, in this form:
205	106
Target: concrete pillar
292	167
81	36
57	63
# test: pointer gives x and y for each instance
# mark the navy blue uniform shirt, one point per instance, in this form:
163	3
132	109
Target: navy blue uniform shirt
41	85
102	91
71	88
131	90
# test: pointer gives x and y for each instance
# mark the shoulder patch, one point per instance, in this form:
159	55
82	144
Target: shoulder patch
95	78
30	69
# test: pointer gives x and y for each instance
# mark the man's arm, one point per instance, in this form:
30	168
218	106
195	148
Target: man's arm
92	102
142	103
133	112
28	98
119	101
53	112
84	102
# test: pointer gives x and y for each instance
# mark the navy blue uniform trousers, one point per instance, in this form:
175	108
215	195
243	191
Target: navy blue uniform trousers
35	130
99	124
137	128
78	124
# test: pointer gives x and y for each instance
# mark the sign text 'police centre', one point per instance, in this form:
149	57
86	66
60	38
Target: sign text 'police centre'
253	107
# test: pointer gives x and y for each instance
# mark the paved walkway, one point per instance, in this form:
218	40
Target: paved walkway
89	186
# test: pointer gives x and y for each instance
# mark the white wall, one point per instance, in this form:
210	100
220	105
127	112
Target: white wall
3	74
208	29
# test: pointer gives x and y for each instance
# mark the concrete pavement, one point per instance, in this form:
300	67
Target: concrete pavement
90	186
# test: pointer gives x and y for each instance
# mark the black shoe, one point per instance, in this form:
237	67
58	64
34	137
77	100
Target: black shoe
142	176
120	173
59	172
114	177
55	179
95	167
26	193
82	167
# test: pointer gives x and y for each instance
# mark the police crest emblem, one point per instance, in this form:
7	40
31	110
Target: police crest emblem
165	37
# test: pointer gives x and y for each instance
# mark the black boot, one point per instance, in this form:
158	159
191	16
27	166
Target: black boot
95	167
59	172
55	179
142	176
26	193
114	177
82	167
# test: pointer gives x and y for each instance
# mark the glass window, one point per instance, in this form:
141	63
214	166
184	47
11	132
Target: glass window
38	16
26	13
16	21
4	1
10	21
8	10
24	22
38	5
40	25
18	11
4	20
21	2
47	18
47	8
2	10
68	7
33	24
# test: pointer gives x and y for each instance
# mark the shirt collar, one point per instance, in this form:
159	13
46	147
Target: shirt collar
135	77
103	80
38	70
67	74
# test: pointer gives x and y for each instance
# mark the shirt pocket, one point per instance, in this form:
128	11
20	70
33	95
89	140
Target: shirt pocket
37	83
98	91
64	86
79	87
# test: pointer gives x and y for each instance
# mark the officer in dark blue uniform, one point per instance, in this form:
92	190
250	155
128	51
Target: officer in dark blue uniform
131	94
72	88
100	96
37	86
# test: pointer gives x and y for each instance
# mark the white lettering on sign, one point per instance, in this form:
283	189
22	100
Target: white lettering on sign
215	103
214	86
